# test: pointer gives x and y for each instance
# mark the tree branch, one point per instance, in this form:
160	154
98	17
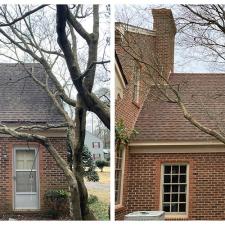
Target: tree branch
22	17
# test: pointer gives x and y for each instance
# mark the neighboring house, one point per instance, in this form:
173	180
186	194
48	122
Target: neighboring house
95	146
170	165
27	170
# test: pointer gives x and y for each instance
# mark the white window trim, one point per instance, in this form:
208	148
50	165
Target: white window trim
120	203
175	214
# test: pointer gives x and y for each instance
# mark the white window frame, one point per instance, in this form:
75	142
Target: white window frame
175	214
120	202
136	81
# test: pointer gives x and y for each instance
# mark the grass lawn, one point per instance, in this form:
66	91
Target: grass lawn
104	177
100	207
100	210
103	196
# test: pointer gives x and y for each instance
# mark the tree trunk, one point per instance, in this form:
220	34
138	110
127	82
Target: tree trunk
75	203
85	211
78	145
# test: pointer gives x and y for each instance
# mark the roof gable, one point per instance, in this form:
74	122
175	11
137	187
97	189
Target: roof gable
22	100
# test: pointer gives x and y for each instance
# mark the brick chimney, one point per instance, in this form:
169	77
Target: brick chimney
165	29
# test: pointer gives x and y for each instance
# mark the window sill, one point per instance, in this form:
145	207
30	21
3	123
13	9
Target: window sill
26	210
119	208
176	217
137	104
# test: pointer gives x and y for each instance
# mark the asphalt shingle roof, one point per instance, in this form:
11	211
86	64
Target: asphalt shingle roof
204	96
21	99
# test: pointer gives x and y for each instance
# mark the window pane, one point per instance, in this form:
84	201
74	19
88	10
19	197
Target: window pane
182	207
166	207
117	174
166	198
175	169
166	188
182	197
25	181
183	169
182	188
116	196
117	183
175	198
25	159
174	207
175	178
167	169
167	179
175	188
182	178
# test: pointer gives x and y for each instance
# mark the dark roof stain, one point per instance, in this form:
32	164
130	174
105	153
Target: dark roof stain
21	99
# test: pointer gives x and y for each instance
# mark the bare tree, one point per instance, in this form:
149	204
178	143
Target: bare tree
28	34
201	29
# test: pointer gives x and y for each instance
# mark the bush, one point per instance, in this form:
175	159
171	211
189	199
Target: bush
88	166
107	163
57	202
100	210
92	199
92	176
101	164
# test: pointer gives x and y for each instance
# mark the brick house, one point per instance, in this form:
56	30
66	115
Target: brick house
170	165
27	170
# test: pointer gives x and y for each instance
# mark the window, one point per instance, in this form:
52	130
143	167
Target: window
136	80
119	160
96	144
174	188
25	171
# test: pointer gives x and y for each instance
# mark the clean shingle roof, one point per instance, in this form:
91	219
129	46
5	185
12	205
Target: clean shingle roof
204	95
21	99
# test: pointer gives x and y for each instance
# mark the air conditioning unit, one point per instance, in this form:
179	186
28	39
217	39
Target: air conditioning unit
145	215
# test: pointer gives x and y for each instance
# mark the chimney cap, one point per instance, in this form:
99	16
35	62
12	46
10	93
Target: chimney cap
164	13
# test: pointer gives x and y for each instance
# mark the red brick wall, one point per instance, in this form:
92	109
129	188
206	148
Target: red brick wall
206	183
126	109
53	177
50	175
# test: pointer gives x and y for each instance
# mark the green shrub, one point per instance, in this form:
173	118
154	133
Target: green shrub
100	210
107	163
92	176
88	166
101	164
92	199
57	202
